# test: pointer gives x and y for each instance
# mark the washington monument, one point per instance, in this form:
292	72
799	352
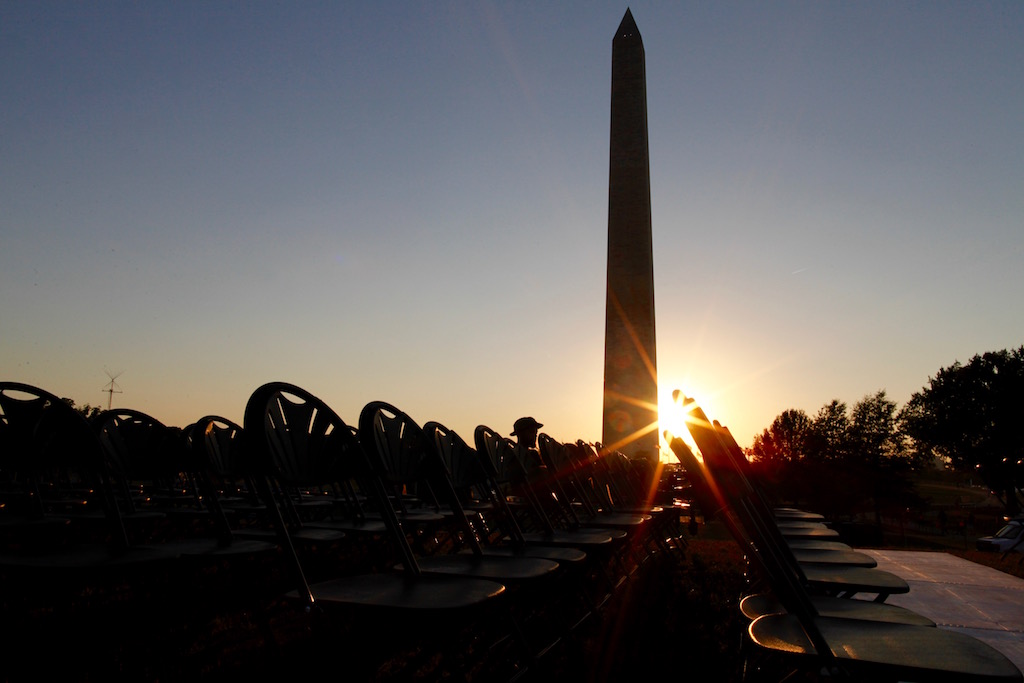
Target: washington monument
630	365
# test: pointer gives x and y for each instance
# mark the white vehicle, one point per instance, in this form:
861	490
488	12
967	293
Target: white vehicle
1010	537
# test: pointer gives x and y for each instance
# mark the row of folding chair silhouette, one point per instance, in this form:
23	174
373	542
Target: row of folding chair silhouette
386	520
804	618
393	471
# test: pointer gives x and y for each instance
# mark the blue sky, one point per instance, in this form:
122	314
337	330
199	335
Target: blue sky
408	202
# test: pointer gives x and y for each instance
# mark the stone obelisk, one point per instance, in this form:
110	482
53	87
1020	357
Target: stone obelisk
630	367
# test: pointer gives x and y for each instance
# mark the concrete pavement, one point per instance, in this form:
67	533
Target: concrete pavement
960	595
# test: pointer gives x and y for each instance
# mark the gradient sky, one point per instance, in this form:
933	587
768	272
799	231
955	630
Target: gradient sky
408	202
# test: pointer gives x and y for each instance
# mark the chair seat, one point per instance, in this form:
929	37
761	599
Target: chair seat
616	520
808	533
760	604
897	651
853	580
413	516
811	544
568	556
304	535
791	514
210	548
844	558
424	593
355	526
581	538
646	511
797	524
504	569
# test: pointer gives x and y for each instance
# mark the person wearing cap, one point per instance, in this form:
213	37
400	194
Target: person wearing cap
525	430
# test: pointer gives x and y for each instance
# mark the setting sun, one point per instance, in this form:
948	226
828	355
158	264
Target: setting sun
672	418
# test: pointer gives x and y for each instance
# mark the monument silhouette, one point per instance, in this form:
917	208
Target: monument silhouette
630	420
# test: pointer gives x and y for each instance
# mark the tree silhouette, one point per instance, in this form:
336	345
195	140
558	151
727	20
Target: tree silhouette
89	411
830	430
970	415
877	454
778	449
840	462
784	440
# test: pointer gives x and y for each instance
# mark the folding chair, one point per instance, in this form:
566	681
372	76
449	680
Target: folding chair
760	603
291	431
401	456
742	500
801	640
624	489
572	487
156	472
466	470
51	448
497	455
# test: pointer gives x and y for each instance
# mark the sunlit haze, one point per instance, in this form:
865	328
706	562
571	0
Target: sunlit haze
408	202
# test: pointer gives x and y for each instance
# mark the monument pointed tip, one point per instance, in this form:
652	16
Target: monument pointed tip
627	28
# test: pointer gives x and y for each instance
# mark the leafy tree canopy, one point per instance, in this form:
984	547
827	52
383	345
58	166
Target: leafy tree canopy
874	434
829	437
89	411
841	460
971	415
785	439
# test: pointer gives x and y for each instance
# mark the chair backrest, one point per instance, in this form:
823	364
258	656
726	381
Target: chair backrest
41	435
462	462
499	455
470	469
554	455
293	435
737	491
395	445
562	480
605	486
142	451
40	430
21	408
219	441
740	462
756	512
623	479
764	543
216	444
401	454
138	446
710	498
219	446
700	487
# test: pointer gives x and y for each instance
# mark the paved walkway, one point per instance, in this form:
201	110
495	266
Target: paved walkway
960	595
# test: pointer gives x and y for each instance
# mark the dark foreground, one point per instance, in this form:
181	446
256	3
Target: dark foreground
675	614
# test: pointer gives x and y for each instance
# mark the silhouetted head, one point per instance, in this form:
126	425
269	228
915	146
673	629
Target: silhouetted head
525	430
